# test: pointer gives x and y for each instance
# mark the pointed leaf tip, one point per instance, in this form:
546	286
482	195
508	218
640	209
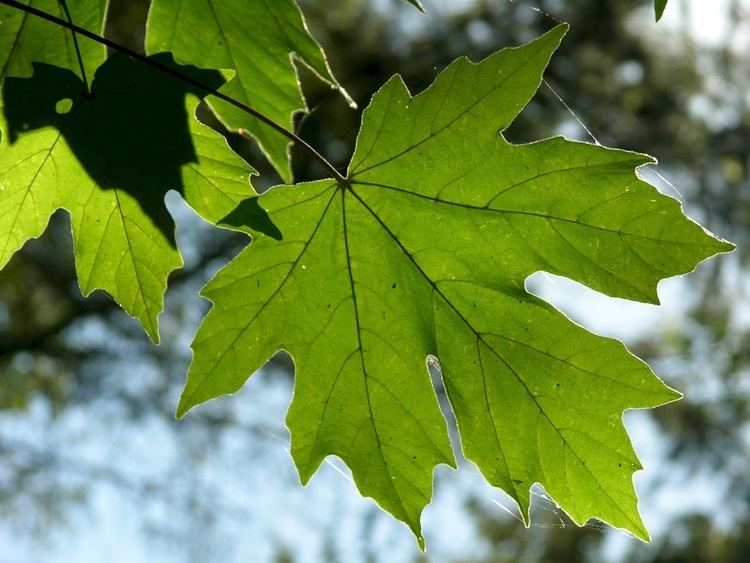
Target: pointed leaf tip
659	7
417	4
180	412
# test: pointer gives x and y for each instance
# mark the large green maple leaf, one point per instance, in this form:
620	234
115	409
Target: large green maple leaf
423	251
258	39
109	157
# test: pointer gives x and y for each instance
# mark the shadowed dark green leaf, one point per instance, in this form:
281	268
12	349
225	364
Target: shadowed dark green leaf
249	215
257	39
659	6
424	251
25	38
109	158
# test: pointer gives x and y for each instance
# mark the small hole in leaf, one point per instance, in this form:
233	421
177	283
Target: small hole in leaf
64	106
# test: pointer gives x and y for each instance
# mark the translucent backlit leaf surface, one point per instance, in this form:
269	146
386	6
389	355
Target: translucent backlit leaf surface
257	39
25	38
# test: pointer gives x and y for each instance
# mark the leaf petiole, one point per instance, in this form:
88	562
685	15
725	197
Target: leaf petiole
64	6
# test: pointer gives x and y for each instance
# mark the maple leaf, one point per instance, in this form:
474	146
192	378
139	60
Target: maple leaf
259	40
25	38
109	157
423	251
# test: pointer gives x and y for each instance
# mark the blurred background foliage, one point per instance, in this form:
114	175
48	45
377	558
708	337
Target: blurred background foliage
93	463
